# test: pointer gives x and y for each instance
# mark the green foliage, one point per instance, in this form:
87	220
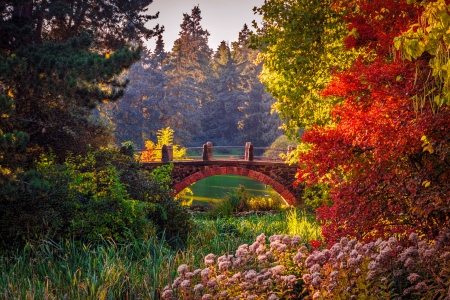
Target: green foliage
128	148
13	147
300	43
57	63
316	195
262	203
103	195
282	142
303	224
59	84
241	200
132	269
233	201
431	36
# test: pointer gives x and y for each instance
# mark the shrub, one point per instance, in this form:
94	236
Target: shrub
104	194
260	203
284	268
241	200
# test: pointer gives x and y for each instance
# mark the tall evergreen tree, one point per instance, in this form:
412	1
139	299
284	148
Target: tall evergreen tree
257	124
59	59
189	68
223	107
144	108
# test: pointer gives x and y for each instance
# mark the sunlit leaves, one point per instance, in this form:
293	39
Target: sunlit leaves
431	35
301	43
387	164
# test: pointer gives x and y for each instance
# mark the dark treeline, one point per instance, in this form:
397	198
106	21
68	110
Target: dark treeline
204	95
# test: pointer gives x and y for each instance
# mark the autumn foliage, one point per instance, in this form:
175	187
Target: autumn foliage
385	158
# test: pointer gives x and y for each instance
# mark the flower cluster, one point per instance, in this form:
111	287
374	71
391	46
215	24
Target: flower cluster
284	268
258	271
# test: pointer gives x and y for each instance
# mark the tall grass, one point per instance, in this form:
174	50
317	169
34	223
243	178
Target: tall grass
135	270
302	224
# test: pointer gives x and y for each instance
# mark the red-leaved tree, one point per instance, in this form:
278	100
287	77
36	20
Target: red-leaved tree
387	163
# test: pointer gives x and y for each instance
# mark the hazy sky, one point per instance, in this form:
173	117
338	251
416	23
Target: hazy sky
223	19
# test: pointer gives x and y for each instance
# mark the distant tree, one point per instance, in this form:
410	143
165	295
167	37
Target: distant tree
257	123
188	68
223	107
165	137
145	106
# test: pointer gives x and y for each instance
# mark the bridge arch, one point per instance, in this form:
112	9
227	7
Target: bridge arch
285	192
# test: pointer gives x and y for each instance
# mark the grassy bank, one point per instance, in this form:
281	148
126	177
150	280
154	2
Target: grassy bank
138	269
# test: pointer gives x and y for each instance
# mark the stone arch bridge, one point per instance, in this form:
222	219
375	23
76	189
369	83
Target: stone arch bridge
272	172
277	174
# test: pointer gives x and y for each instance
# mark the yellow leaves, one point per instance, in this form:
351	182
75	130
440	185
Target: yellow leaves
10	94
426	146
107	55
426	183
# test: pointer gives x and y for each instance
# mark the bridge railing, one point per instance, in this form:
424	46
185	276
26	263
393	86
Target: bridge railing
208	152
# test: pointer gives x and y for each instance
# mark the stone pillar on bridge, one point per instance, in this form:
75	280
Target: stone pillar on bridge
167	153
249	152
207	151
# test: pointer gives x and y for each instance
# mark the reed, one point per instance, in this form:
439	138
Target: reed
136	270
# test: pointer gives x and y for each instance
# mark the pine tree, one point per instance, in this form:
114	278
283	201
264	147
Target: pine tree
59	59
222	109
189	68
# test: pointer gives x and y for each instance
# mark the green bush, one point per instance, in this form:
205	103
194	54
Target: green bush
241	200
103	195
316	195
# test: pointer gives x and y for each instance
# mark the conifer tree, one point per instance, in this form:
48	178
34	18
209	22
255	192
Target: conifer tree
189	68
59	59
222	109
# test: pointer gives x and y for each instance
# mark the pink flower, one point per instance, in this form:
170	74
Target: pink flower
167	294
316	295
205	272
197	271
212	284
277	270
316	281
242	250
413	237
221	277
307	278
298	258
250	275
296	240
224	265
414	277
223	293
262	257
185	284
261	239
182	270
198	288
209	259
176	282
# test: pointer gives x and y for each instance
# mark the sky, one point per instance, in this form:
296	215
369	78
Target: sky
223	19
